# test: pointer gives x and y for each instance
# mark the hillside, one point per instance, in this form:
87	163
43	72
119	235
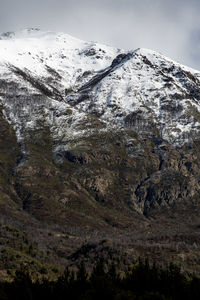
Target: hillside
99	153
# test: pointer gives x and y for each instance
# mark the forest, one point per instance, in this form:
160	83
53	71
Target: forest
140	281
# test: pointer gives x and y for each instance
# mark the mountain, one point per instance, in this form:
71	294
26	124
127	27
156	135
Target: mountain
99	153
147	92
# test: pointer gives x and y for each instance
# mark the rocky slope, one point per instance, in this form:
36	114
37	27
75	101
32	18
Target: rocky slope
147	92
97	142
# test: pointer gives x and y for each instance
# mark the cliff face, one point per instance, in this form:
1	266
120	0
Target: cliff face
94	138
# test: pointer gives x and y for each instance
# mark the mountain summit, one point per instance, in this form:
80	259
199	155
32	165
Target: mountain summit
142	89
98	139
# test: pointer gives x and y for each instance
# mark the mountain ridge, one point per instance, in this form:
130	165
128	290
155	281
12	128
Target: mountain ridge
97	143
136	91
144	93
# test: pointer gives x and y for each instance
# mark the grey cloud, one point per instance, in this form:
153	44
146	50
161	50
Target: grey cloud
171	27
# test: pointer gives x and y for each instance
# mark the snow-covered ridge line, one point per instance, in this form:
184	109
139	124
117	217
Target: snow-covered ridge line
54	48
140	89
147	92
37	70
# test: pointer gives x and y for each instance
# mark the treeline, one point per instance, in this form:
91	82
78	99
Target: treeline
141	281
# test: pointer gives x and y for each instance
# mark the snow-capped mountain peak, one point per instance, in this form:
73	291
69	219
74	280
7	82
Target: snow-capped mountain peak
148	92
38	69
140	89
38	50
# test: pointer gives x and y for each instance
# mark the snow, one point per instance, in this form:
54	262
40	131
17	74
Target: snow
139	84
35	49
146	83
57	57
157	59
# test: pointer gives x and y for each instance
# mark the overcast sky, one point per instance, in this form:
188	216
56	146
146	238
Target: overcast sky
171	27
